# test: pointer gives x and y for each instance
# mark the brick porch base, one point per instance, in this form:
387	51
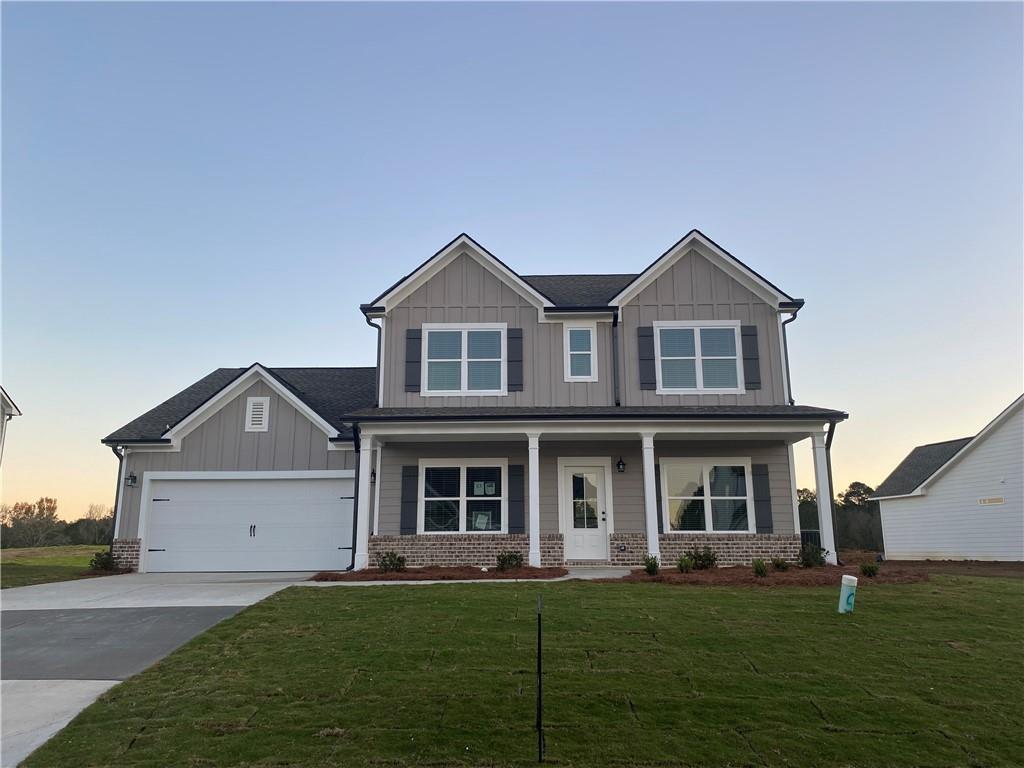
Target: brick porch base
733	549
465	549
126	553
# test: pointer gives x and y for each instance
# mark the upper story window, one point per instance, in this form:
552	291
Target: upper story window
257	414
580	351
464	359
698	357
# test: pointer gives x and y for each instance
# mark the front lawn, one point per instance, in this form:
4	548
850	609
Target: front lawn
38	565
925	674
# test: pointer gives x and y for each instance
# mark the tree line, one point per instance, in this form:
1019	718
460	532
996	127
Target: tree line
858	519
35	524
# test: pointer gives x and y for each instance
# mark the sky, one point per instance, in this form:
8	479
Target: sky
195	185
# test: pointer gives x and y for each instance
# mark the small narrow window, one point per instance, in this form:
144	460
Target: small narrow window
257	414
580	355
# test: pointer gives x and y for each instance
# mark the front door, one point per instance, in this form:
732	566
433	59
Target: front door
586	526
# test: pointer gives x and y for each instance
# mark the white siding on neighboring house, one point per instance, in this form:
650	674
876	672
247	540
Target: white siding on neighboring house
948	522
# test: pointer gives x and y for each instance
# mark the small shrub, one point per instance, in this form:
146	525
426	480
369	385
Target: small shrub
509	560
390	561
685	564
780	564
703	559
869	569
811	555
651	565
760	568
103	561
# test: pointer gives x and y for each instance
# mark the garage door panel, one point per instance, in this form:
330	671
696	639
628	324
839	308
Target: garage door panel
250	525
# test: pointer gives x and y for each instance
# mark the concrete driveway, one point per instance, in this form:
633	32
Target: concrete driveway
66	643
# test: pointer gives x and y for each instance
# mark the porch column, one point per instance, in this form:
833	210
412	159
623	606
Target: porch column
650	495
533	484
824	493
362	543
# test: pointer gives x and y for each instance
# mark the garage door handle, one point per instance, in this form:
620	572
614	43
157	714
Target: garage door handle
252	530
156	550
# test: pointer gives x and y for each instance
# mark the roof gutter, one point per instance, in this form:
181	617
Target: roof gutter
834	417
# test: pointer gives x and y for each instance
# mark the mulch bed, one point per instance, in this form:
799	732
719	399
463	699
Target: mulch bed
438	573
826	576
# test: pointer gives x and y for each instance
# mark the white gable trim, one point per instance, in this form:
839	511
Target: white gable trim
921	490
722	258
255	373
444	257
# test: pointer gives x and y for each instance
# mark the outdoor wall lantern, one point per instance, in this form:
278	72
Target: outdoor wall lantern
373	476
620	465
131	480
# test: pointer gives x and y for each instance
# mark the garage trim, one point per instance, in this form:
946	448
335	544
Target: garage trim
149	477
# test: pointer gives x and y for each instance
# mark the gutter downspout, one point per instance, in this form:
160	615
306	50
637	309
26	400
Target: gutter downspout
117	493
376	373
831	489
615	356
785	353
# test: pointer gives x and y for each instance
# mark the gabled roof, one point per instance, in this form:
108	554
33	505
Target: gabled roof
926	463
590	291
8	404
732	266
329	392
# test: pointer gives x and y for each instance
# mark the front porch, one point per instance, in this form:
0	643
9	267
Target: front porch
581	493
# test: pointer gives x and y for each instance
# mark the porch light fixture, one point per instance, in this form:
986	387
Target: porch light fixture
620	465
131	480
373	476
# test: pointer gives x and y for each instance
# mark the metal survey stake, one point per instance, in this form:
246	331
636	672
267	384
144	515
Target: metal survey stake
540	688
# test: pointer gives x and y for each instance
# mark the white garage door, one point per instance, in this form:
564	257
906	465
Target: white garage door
249	525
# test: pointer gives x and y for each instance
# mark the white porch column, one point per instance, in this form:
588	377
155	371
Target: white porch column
362	542
533	485
824	493
650	495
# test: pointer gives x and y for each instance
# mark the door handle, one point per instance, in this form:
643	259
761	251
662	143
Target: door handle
252	530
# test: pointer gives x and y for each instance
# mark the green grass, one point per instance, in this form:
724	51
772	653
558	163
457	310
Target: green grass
39	565
927	674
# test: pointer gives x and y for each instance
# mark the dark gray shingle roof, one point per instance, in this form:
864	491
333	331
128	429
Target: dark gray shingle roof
331	392
920	464
579	290
602	411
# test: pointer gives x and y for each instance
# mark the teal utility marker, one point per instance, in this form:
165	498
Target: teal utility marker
847	594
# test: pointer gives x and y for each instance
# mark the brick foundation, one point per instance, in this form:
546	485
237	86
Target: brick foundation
732	549
126	553
465	549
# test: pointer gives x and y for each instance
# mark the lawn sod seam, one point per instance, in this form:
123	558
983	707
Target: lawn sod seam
925	674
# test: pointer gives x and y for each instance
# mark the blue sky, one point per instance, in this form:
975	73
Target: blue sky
187	186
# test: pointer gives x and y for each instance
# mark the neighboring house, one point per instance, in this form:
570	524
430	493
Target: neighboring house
8	410
959	499
573	418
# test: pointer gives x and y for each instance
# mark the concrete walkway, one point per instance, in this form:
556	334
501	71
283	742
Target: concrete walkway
576	573
64	644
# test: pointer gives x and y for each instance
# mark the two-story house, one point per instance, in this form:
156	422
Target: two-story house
574	418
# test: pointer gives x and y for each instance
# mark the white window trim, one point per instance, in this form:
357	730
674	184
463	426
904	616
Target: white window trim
697	325
577	325
250	403
426	328
462	464
706	464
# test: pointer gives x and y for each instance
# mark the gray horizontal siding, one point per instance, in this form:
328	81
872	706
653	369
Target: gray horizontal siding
221	444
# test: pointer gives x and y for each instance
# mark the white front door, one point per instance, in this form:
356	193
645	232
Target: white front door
586	524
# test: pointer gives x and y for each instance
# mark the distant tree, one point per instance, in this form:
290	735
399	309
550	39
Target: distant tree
97	527
856	495
858	518
28	524
807	501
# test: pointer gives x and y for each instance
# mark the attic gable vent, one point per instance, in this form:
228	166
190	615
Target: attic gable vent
257	414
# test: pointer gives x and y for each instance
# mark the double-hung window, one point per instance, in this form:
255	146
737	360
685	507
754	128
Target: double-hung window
707	495
580	351
463	496
695	357
464	359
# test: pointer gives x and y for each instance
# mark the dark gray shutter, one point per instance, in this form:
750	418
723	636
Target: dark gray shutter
657	497
751	362
413	354
410	492
516	498
514	340
645	347
762	498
